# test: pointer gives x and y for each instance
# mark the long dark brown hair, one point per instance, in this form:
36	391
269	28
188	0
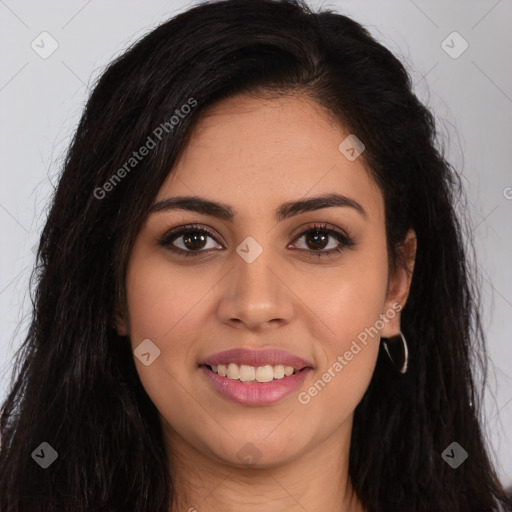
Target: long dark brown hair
75	385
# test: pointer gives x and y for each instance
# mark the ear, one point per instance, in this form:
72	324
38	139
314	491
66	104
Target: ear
121	321
399	285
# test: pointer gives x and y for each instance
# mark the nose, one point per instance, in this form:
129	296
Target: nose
256	295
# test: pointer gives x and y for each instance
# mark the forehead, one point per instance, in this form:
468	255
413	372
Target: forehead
256	152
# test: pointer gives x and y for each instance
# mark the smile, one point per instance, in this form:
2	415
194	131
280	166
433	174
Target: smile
254	392
246	373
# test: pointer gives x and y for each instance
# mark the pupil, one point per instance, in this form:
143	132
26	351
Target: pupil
194	239
316	235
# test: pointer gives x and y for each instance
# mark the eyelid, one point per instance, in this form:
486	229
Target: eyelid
347	241
331	230
175	233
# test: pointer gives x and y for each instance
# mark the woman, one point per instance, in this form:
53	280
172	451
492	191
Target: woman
318	355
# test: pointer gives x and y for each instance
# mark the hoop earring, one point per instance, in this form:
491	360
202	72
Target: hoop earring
396	349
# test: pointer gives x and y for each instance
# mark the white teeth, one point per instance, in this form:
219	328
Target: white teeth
265	373
288	370
278	371
246	373
233	371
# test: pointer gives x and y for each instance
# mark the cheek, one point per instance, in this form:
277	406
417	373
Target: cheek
164	304
163	299
351	297
348	358
349	348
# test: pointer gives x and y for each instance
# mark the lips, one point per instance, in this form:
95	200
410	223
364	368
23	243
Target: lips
255	394
257	358
263	391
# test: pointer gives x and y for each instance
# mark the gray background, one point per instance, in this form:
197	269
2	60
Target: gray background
41	101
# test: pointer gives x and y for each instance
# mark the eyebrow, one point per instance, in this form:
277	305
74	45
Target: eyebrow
286	210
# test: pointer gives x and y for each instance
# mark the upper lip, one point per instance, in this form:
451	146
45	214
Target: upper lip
256	358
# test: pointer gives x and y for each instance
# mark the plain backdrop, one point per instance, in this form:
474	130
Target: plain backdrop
470	91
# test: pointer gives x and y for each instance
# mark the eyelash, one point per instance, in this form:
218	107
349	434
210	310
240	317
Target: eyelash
169	237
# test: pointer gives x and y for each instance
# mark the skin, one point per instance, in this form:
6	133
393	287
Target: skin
255	154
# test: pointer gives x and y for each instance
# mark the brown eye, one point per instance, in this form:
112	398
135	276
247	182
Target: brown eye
191	240
194	241
317	238
188	240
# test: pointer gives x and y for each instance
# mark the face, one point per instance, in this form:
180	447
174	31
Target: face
247	278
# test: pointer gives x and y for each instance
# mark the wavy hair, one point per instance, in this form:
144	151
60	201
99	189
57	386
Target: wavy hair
74	383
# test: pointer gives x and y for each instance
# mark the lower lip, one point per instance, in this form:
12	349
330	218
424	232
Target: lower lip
255	393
